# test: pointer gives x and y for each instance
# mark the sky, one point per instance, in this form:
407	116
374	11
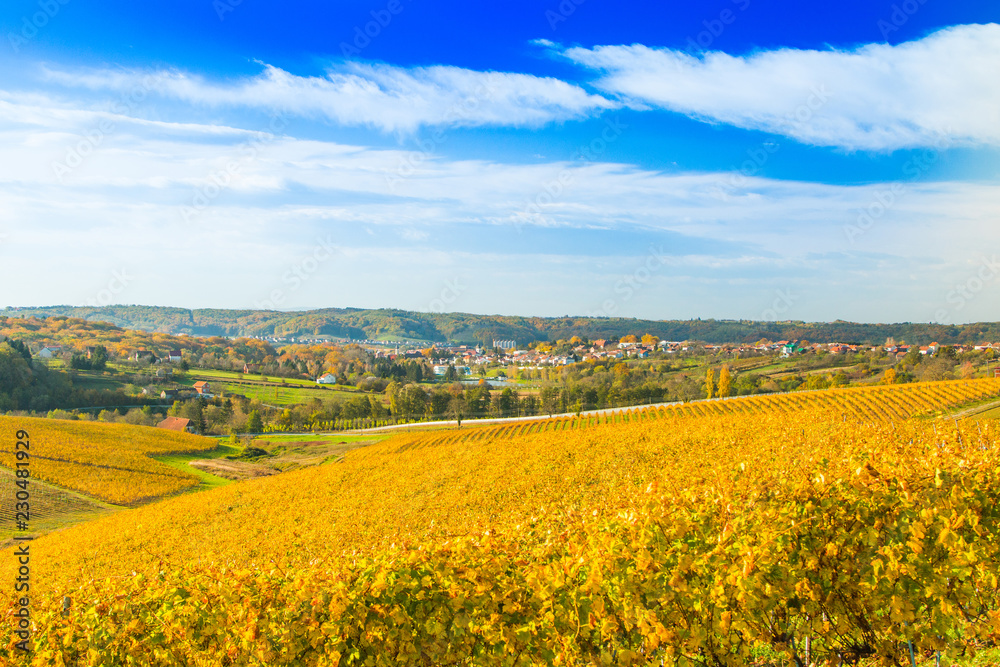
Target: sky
743	159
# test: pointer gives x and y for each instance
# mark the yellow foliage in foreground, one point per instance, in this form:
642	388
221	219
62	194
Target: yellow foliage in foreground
682	538
110	462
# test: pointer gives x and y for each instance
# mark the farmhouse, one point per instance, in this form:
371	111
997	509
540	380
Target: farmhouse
49	352
174	355
327	378
203	389
176	424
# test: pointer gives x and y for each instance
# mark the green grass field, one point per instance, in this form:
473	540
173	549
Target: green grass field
209	375
97	380
286	396
208	481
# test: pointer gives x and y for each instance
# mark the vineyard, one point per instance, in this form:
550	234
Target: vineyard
51	507
824	527
879	403
110	462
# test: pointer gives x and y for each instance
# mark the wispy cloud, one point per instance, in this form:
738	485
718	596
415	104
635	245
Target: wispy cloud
876	97
382	96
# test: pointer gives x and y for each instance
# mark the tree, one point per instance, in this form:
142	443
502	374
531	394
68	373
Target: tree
890	376
377	408
254	423
99	358
507	403
913	356
458	408
709	383
725	382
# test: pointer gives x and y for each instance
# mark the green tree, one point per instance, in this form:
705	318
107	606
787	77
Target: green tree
99	358
507	403
254	423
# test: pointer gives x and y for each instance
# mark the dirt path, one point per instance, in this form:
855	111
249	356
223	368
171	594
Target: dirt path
970	412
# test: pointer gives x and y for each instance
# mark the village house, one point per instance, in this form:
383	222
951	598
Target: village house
327	378
50	352
203	389
177	424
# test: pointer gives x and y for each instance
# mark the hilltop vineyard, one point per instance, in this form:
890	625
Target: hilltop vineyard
110	462
830	527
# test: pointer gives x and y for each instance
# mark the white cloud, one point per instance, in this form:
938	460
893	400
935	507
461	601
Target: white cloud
732	239
382	96
876	97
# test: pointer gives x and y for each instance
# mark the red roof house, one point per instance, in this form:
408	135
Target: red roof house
176	424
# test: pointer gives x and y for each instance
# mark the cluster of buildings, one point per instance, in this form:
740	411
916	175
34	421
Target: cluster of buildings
201	389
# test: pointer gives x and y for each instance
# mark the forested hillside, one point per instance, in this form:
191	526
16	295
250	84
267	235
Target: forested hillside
392	324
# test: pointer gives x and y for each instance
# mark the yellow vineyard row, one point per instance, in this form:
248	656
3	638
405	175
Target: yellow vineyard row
875	403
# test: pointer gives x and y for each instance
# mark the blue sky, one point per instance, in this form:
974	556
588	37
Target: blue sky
736	158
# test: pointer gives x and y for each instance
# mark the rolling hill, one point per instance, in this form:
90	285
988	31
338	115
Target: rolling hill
357	323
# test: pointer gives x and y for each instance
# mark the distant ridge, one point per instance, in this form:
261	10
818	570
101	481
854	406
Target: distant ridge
393	324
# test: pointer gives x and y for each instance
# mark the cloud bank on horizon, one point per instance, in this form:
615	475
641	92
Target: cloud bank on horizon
859	179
